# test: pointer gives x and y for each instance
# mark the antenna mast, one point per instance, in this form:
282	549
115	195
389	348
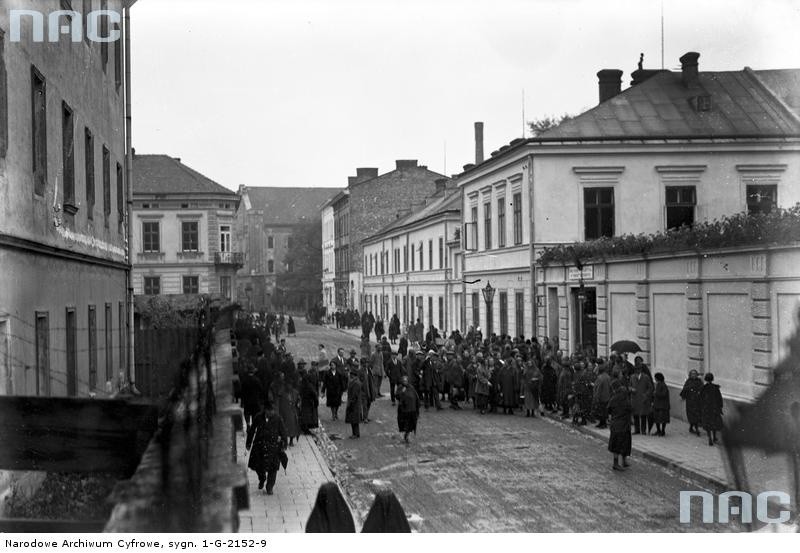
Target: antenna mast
662	34
523	113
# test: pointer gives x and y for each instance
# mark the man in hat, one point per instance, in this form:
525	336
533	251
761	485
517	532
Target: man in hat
352	362
353	414
408	410
394	370
431	381
454	375
376	364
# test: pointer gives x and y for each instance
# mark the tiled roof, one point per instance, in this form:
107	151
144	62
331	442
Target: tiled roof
289	206
744	103
161	174
451	201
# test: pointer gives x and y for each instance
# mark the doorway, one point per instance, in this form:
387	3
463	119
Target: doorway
585	309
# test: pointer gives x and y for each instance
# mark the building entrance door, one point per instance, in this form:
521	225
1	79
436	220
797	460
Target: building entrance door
585	317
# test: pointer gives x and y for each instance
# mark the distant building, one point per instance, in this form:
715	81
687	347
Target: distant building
370	202
63	215
184	241
410	265
269	217
328	258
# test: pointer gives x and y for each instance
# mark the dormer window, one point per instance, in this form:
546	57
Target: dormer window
701	103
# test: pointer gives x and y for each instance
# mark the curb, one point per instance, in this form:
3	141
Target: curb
320	438
699	476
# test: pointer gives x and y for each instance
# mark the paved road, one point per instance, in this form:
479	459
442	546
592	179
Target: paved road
497	473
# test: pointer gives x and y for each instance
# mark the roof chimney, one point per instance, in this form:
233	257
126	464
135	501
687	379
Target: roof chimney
364	173
610	83
478	142
406	163
689	71
441	185
468	166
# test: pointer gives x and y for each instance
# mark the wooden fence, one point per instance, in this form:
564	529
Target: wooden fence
158	354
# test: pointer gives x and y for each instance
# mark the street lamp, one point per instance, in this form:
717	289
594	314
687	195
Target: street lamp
488	293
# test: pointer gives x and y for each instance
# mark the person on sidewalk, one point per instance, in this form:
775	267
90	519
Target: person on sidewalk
619	408
376	363
252	395
711	400
394	371
408	410
267	438
309	399
353	415
694	406
641	399
532	378
660	405
602	395
386	515
330	513
333	386
367	389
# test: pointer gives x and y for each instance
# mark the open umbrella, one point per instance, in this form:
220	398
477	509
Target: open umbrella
625	346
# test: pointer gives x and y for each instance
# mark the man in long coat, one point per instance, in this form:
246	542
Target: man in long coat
376	364
641	400
408	410
508	379
694	406
267	437
333	386
395	372
353	414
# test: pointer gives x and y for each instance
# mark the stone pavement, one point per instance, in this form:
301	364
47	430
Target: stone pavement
295	490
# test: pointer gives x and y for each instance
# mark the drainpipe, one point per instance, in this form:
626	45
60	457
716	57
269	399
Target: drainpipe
129	178
532	250
463	264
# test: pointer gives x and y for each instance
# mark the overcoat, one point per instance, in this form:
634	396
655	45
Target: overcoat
267	439
691	394
711	399
642	398
353	412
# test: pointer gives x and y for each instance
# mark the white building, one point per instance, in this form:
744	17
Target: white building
410	266
328	259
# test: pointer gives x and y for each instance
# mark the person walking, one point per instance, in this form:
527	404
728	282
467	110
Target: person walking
482	385
353	415
394	371
309	400
267	438
660	405
694	406
290	329
711	415
376	364
619	441
334	384
252	395
641	399
408	409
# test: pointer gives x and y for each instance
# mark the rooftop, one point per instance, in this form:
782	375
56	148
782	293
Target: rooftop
288	206
162	174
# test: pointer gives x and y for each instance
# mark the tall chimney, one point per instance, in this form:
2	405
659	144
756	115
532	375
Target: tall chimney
610	81
689	72
441	185
478	142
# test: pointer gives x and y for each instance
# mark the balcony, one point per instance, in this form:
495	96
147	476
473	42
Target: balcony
232	259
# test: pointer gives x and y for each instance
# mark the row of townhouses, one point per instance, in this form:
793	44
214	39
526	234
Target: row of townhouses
674	149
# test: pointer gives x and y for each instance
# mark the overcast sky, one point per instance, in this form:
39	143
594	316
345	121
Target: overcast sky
300	93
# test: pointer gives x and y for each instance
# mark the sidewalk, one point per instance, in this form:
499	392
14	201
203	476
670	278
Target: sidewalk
295	490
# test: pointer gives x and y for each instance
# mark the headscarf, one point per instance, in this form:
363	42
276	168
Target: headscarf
330	513
386	515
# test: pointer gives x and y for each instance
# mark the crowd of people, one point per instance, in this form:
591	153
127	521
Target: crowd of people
490	375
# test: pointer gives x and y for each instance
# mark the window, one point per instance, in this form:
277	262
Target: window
39	132
106	185
503	312
92	328
118	44
519	304
680	202
190	240
120	199
430	311
68	157
225	238
501	223
405	258
517	218
430	255
42	353
191	285
270	266
598	209
151	236
72	352
476	310
88	158
441	252
441	312
761	198
121	332
109	344
413	259
487	226
225	287
421	258
270	242
152	285
383	268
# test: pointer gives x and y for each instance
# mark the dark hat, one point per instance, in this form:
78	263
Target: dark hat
301	361
352	351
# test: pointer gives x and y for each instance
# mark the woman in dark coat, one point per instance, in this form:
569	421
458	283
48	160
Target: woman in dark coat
330	513
660	405
394	328
549	385
333	386
641	400
408	409
619	409
691	395
509	387
287	402
267	437
386	515
290	330
402	347
309	401
564	389
483	386
711	408
352	415
532	378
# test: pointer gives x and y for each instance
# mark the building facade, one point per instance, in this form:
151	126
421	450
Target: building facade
409	264
265	226
63	211
369	203
184	241
328	258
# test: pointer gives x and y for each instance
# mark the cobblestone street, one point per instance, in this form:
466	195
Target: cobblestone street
470	473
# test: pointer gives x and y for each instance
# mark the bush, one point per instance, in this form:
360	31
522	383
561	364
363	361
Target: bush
781	226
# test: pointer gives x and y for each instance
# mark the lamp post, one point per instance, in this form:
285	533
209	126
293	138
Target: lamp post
488	297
